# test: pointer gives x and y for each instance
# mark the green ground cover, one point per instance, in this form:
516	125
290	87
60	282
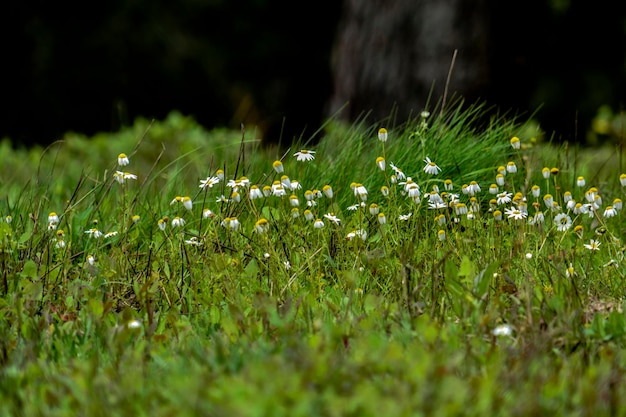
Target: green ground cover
447	266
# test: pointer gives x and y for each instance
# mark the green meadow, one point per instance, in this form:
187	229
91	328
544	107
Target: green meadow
461	263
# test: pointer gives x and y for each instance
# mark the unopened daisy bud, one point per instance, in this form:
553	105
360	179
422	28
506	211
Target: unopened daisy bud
384	190
328	191
220	174
515	142
501	170
162	223
500	180
511	168
122	160
318	224
447	184
187	203
622	180
381	218
578	229
382	134
380	161
545	172
554	171
497	215
8	219
267	190
293	200
308	215
295	213
580	181
441	234
374	209
493	189
278	167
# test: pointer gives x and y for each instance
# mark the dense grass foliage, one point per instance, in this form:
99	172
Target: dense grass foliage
448	266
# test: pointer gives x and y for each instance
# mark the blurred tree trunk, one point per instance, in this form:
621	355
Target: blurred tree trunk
394	54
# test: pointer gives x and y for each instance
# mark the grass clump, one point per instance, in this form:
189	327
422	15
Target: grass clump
435	268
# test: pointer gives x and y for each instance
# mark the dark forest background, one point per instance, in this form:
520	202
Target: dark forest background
286	66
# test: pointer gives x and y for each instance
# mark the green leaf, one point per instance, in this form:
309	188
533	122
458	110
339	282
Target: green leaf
29	270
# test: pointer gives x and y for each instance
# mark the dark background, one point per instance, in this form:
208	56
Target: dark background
95	67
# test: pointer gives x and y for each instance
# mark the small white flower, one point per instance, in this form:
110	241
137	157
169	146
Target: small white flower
380	162
187	203
209	182
332	218
133	324
563	222
305	155
206	213
110	234
328	191
511	168
234	223
193	241
53	218
592	245
91	260
94	233
610	212
122	160
405	217
178	222
382	134
255	192
431	168
515	143
514	213
318	224
261	226
502	330
504	198
278	167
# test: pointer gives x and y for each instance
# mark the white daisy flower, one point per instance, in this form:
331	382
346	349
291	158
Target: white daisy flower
563	222
305	155
431	167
